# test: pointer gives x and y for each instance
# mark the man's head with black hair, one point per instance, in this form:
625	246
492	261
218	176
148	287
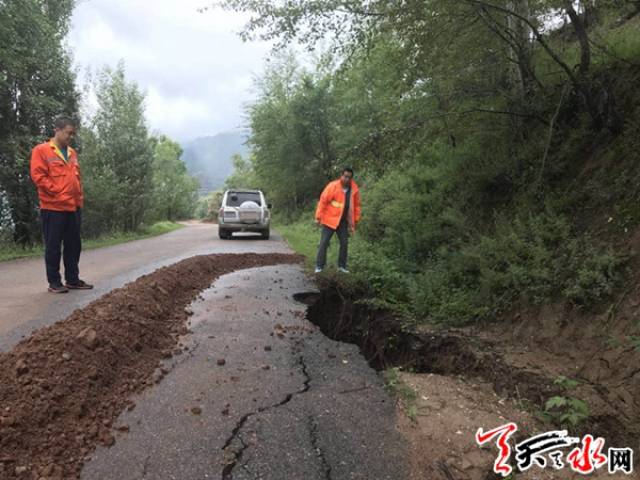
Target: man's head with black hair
346	177
64	129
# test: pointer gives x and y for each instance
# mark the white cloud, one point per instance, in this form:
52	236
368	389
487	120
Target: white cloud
196	71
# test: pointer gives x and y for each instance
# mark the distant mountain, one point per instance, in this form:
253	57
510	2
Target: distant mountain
209	158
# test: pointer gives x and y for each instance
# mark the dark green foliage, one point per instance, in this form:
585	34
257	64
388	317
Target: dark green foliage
174	192
497	157
291	135
130	178
529	260
117	157
36	85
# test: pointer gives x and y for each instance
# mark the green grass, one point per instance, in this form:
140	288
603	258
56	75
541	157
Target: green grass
12	252
374	280
397	387
303	237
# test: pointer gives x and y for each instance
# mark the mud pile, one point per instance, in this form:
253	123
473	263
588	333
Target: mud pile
62	388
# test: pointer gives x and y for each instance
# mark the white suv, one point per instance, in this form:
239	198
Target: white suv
244	211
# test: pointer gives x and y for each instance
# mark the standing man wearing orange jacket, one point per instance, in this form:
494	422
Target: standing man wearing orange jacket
56	173
338	212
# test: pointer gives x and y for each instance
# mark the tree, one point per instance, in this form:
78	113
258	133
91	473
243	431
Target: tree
174	190
36	85
435	33
104	194
291	134
243	175
122	152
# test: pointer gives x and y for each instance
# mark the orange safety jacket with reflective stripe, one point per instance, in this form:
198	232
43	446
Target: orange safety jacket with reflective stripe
332	202
57	179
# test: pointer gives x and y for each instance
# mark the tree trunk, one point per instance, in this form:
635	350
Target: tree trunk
583	38
520	53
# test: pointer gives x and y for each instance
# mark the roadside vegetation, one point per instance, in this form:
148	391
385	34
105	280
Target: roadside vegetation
12	252
131	178
495	143
406	395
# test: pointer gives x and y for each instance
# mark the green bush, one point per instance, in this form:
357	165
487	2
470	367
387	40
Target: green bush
532	259
521	259
445	295
415	208
379	276
596	273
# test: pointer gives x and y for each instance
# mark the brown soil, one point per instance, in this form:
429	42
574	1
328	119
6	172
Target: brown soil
492	374
446	415
63	387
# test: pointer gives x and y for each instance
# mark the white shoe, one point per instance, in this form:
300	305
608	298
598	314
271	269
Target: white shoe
318	270
343	270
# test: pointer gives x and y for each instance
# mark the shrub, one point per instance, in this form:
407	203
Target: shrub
532	259
596	273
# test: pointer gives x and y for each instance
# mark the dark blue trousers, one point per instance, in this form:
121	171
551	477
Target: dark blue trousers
325	236
61	229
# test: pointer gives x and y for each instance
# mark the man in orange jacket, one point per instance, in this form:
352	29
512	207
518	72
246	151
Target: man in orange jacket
338	212
56	173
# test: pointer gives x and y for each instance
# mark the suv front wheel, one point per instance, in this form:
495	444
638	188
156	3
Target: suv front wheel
265	234
223	234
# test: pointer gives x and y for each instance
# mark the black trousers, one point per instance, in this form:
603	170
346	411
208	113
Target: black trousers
61	229
325	236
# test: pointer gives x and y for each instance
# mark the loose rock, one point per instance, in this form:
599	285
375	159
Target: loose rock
21	367
88	337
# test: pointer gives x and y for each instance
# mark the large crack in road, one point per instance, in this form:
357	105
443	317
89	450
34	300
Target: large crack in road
228	447
264	395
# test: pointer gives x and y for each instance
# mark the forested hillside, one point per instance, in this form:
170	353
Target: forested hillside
131	178
495	143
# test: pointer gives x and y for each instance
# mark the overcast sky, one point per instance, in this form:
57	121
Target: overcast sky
194	68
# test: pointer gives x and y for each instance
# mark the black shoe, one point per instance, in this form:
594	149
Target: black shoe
79	285
57	288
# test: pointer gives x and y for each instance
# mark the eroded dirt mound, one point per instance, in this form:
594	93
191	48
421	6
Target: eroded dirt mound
62	388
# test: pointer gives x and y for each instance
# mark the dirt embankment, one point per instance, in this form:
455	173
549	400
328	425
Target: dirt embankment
62	388
506	371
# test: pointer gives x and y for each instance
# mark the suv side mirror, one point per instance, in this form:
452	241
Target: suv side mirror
269	206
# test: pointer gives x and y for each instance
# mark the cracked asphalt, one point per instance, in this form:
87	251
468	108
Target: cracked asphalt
258	393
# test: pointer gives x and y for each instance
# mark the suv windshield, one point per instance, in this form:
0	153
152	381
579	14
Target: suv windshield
235	199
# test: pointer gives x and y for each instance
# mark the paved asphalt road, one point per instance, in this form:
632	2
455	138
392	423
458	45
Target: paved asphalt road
287	404
25	303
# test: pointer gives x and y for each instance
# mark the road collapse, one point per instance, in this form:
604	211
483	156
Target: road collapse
447	367
62	388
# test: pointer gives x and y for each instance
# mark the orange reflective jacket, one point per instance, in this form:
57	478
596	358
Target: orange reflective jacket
57	180
332	202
